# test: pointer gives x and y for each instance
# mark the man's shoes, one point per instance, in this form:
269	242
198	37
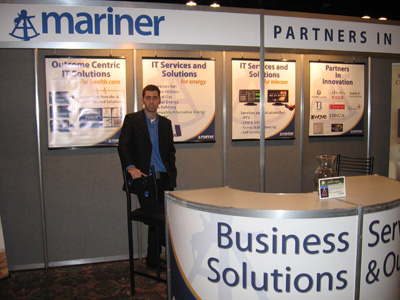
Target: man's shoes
152	264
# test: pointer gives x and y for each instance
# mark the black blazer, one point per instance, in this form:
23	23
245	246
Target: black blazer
135	147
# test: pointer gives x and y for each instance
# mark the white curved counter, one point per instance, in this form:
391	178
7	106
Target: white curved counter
231	244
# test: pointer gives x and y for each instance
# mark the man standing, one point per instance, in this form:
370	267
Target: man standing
146	140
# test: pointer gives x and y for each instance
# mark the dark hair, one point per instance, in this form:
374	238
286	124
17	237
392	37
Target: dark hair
151	88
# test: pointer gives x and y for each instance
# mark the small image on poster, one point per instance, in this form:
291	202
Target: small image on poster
279	99
85	101
336	99
187	95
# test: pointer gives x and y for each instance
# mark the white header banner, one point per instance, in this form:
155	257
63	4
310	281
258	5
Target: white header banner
302	33
29	23
38	25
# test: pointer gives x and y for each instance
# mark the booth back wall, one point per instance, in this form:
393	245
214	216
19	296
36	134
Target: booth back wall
381	86
84	206
19	177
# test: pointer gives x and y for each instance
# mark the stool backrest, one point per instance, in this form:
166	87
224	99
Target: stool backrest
350	165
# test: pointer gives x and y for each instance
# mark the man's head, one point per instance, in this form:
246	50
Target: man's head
151	99
152	88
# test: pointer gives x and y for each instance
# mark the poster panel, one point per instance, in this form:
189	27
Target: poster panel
279	99
380	267
187	95
394	161
85	101
237	257
336	99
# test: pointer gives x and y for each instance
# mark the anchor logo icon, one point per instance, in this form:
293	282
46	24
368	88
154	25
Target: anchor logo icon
23	27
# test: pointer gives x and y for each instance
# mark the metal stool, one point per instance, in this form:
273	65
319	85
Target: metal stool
154	217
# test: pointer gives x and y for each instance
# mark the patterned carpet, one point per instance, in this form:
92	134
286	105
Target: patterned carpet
85	282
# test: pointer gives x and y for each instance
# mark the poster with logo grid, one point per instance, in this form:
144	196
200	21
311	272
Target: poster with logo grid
336	99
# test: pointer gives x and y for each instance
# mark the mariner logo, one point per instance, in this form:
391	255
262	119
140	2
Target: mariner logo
24	28
84	23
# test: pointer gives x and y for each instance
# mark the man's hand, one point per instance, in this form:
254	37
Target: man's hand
136	173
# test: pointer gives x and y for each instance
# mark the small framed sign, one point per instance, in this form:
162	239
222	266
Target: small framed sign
334	187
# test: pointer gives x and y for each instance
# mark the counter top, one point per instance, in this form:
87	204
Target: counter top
371	190
360	191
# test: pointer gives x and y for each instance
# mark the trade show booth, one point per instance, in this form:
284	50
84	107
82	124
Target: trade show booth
253	95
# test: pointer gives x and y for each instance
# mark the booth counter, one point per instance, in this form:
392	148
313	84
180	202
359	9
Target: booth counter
230	244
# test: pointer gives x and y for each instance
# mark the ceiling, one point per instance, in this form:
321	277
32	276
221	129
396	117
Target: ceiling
389	9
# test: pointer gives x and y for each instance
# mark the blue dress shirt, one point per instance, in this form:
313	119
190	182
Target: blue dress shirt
156	160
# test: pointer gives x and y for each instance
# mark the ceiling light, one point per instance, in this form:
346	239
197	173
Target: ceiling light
191	3
382	19
366	17
215	5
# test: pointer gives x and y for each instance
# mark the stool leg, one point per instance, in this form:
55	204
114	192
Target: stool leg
158	256
131	262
